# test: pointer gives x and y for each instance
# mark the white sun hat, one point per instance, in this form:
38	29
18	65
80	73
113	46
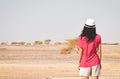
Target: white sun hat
90	22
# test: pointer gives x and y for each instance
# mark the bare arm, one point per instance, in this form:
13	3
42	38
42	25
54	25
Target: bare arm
100	52
79	56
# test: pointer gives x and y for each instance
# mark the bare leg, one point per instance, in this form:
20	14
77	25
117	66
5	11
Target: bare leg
85	77
95	77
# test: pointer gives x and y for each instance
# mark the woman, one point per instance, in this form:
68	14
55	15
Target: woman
89	44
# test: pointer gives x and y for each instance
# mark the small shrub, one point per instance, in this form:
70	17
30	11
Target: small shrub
66	50
29	44
71	43
18	43
57	43
38	43
4	43
47	41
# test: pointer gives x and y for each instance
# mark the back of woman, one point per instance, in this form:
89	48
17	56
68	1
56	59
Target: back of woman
89	44
89	57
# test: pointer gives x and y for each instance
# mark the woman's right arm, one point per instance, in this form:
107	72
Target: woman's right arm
100	53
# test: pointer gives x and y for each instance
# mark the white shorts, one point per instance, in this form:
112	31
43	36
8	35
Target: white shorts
90	71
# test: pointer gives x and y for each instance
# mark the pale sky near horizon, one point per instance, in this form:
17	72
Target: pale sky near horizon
30	20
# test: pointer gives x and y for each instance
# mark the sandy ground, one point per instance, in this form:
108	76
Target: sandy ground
46	62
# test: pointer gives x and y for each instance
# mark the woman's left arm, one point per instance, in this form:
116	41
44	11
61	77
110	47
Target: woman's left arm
79	57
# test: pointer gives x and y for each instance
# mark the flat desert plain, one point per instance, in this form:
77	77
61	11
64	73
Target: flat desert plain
46	62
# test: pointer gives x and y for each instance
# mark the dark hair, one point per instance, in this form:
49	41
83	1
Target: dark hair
90	33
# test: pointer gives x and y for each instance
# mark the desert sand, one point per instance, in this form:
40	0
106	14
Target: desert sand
46	62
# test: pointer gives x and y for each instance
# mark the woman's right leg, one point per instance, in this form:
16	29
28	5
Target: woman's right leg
95	72
95	77
85	77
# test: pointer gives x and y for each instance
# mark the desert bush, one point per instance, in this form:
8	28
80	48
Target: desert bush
29	44
57	43
21	43
18	43
66	50
38	42
71	43
14	43
4	43
47	41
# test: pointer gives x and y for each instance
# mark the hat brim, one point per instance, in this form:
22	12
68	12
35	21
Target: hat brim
89	26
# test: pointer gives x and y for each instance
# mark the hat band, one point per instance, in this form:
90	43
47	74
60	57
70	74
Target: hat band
88	26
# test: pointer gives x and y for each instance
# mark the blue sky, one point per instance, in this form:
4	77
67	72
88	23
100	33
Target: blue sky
30	20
